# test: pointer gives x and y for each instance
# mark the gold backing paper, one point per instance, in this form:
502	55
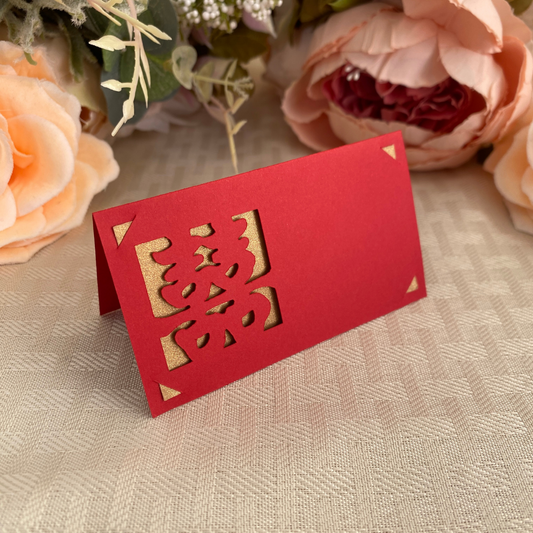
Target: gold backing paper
175	355
120	231
274	317
414	286
391	150
202	231
168	393
153	274
256	243
214	290
221	308
230	339
207	254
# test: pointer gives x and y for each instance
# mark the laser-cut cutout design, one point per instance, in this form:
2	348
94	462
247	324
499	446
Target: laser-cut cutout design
187	291
202	341
120	231
214	290
175	355
256	243
414	286
154	276
202	231
175	283
274	317
167	393
232	270
390	150
248	319
207	254
220	308
229	339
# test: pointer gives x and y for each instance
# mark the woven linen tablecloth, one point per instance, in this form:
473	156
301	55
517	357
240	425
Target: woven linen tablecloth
419	421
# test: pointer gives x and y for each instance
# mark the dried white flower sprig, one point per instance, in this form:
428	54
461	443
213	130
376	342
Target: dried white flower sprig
141	71
223	15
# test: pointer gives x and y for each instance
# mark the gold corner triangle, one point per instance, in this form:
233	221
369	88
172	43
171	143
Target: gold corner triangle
390	150
414	286
168	393
120	231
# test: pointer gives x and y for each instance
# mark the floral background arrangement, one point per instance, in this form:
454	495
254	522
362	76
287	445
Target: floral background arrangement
455	77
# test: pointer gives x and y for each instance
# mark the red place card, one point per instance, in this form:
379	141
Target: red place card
220	280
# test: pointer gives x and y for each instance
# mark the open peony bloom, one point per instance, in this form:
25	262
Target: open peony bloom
511	162
450	75
49	169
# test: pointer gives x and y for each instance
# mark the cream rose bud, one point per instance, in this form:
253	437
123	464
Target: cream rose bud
511	162
49	169
450	76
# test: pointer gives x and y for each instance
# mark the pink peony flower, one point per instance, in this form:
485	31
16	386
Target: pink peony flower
451	75
49	169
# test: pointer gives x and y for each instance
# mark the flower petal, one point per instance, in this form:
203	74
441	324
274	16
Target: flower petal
29	96
476	23
8	209
317	134
60	208
52	168
87	181
510	170
298	106
475	70
99	155
21	254
25	227
522	218
6	161
512	25
329	37
13	56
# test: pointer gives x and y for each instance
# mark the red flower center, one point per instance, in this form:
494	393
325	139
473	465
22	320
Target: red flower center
439	108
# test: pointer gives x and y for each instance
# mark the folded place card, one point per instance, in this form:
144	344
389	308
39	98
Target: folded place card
221	280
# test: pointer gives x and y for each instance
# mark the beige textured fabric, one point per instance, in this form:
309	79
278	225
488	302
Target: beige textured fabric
419	421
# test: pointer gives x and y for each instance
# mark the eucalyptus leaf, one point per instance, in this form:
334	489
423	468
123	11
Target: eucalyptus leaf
204	89
183	60
242	44
238	127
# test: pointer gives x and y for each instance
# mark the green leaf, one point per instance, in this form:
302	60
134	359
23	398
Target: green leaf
115	100
313	9
161	14
96	23
164	84
243	44
111	58
183	60
519	6
204	89
343	5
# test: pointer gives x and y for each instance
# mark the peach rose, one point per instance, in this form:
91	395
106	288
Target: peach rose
511	162
49	169
451	75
